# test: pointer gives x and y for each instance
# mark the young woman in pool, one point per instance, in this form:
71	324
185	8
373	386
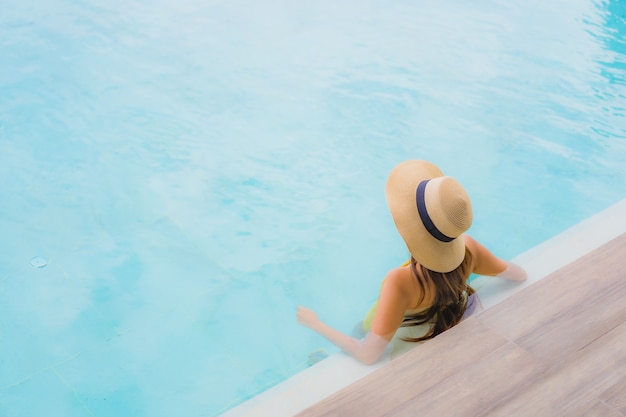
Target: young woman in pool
431	212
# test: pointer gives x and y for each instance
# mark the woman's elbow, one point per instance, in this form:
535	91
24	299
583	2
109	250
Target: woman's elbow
371	349
368	359
371	360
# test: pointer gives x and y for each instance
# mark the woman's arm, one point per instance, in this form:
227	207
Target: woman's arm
367	350
486	263
392	303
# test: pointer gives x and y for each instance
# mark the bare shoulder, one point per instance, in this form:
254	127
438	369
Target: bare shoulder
393	301
399	278
470	243
484	262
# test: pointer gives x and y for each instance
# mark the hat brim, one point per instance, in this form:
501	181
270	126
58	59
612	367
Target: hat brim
433	254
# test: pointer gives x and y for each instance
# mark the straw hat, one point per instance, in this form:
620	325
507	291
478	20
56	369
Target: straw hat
431	211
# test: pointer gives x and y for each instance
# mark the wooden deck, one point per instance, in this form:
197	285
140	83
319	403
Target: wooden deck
555	348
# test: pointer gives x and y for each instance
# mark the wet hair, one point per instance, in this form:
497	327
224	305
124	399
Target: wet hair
451	296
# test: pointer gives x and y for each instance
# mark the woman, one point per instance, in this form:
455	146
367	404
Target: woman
431	212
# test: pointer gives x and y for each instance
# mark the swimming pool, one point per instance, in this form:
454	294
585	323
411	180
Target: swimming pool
178	176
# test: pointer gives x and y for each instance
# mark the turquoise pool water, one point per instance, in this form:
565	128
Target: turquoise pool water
178	176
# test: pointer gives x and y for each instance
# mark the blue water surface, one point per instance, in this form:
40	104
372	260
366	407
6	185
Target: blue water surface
177	176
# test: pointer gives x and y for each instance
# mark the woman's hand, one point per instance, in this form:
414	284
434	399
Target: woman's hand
307	317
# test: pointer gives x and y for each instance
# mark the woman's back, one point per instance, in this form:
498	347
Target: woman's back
431	212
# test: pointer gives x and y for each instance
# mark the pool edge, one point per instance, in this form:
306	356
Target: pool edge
339	370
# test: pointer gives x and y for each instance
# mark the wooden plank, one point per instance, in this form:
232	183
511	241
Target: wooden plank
574	382
578	283
579	326
616	396
412	373
595	408
475	389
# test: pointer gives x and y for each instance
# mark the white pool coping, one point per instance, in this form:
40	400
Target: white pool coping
339	370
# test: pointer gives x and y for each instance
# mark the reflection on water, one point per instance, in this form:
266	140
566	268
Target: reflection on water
191	171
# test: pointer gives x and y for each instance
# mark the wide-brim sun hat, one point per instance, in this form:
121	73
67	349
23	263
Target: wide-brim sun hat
431	212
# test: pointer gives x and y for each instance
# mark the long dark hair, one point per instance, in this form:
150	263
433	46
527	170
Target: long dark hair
451	297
